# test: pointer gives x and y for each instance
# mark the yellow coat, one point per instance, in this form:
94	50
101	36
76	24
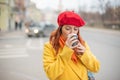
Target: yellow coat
61	67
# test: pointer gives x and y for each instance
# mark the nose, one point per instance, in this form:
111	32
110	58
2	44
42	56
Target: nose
72	31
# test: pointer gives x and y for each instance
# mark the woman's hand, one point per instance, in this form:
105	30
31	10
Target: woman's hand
80	49
71	40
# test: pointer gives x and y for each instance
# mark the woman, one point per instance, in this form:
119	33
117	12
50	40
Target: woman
64	61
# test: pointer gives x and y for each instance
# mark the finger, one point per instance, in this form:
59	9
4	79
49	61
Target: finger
73	47
80	47
80	44
74	42
80	51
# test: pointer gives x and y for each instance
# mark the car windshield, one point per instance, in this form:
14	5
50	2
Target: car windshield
34	25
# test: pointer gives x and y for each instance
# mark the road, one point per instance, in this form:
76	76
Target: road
21	57
105	44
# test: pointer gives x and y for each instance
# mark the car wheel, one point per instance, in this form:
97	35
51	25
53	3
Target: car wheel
37	35
29	35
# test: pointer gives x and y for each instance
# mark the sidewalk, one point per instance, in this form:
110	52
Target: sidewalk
11	33
2	33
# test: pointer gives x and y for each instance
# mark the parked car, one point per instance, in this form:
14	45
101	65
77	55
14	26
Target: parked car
48	28
33	30
40	29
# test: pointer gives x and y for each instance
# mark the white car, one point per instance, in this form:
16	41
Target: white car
41	29
33	30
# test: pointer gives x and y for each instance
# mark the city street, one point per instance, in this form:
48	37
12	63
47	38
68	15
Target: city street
21	57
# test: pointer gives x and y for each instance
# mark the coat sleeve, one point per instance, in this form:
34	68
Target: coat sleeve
54	65
89	60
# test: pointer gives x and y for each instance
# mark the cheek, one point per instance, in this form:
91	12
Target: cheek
76	32
65	33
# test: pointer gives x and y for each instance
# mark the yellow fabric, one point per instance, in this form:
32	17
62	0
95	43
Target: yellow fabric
61	67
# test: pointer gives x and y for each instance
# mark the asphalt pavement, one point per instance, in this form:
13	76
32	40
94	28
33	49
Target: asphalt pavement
21	57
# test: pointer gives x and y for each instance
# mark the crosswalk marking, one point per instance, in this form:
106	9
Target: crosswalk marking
12	49
34	45
13	56
13	53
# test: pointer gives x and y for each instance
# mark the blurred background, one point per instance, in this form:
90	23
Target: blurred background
25	25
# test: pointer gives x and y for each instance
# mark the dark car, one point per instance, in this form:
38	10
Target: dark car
48	28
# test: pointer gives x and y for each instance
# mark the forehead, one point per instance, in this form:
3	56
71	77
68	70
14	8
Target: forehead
70	26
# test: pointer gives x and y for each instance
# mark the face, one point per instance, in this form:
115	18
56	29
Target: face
68	29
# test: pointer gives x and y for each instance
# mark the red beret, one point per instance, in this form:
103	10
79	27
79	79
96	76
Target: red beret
70	18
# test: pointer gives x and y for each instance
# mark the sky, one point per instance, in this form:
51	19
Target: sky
67	4
88	5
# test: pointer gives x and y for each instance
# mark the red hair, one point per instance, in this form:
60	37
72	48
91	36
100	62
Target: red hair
55	35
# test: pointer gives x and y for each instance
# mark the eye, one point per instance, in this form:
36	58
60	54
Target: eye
75	29
67	28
